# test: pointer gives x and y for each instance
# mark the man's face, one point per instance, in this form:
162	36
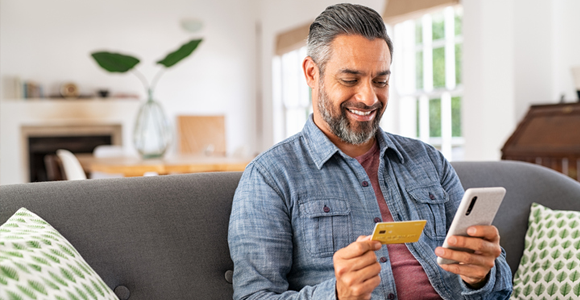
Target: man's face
352	94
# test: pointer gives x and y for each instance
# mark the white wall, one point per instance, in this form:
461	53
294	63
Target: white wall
50	42
276	17
516	53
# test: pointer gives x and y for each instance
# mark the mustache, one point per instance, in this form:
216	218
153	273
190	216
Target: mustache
360	105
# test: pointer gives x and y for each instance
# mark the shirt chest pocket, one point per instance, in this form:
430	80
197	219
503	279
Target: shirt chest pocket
430	203
326	226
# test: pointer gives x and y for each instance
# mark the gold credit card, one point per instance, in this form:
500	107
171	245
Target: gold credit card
398	232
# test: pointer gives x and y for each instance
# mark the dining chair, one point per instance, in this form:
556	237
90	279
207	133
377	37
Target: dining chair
71	165
104	151
202	134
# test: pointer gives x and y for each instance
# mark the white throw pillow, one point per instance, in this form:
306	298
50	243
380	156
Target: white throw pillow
37	262
550	265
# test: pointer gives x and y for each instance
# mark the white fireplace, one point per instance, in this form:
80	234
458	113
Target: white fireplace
21	119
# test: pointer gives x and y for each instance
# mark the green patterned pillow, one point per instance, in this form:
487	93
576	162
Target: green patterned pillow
37	262
550	265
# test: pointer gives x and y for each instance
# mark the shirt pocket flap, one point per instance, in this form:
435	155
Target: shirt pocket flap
314	208
432	194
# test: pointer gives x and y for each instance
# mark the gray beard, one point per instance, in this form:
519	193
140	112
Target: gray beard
341	126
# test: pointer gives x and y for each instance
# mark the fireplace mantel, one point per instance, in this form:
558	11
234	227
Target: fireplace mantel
18	115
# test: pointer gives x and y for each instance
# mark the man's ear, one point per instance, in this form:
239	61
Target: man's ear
311	71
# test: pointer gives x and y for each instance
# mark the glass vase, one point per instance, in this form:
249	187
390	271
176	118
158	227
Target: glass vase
152	133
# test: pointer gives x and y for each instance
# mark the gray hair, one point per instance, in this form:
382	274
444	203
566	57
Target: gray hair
344	18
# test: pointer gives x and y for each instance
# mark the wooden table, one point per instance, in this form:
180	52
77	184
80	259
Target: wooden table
135	166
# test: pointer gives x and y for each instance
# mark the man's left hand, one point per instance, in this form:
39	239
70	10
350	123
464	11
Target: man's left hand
473	267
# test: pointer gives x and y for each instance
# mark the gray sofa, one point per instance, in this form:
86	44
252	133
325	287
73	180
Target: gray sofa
165	237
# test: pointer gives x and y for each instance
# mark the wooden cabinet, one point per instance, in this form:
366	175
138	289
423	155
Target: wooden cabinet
548	135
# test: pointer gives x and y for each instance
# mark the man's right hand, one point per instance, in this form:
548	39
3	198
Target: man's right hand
357	270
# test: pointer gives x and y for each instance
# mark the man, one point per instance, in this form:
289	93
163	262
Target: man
301	205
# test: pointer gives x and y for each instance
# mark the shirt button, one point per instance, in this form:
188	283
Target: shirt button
377	219
365	183
391	296
383	259
326	209
431	196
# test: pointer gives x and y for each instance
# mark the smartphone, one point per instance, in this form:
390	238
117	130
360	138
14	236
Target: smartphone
478	207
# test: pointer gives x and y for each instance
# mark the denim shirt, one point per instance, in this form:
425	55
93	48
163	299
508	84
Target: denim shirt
304	199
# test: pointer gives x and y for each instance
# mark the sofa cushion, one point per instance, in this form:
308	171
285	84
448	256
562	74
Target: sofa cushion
37	262
550	264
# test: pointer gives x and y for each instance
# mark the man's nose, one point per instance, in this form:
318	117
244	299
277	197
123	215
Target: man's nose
366	94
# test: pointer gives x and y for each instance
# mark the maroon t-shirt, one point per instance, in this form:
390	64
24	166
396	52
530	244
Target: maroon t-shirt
410	278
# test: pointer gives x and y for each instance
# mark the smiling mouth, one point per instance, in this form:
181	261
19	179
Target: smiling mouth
359	112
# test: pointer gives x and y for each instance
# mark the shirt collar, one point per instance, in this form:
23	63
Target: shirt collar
322	149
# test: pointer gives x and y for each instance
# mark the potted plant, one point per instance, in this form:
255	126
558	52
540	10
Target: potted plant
152	133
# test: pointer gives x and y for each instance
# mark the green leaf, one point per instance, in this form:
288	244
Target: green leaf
542	245
58	253
39	221
67	274
76	270
21	267
41	260
566	244
115	62
564	233
559	265
36	267
549	276
9	272
3	280
72	296
574	276
552	289
552	233
524	260
28	292
546	264
14	296
52	257
82	294
98	288
537	277
556	253
84	268
539	289
14	253
568	255
184	51
576	289
90	291
51	284
530	232
37	286
67	250
57	279
561	276
565	289
527	290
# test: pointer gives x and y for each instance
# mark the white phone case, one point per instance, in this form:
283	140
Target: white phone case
481	213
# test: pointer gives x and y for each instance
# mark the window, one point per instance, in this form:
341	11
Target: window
292	96
427	79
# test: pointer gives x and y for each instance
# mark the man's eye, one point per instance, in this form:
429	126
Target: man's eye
382	83
349	82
